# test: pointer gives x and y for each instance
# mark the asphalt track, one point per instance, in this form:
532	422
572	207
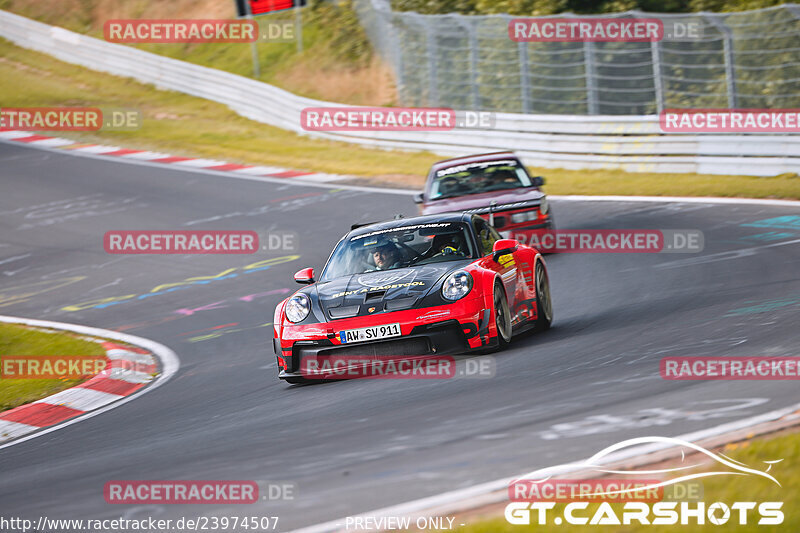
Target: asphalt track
352	446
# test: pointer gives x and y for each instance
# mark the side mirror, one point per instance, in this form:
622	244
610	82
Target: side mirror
538	181
504	247
305	276
419	198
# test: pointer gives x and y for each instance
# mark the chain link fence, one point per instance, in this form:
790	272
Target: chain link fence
730	60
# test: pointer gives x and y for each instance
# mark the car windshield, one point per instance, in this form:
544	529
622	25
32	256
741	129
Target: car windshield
474	178
400	247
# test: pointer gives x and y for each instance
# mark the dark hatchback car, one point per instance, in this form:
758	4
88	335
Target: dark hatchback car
495	186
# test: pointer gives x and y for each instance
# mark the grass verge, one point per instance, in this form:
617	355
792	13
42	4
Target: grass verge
21	340
193	127
726	489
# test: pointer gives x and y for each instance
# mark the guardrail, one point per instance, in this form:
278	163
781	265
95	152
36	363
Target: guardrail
631	143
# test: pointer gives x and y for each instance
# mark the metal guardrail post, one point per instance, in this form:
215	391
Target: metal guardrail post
591	87
727	50
658	83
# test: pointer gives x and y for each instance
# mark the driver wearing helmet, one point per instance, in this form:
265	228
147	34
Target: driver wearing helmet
478	181
386	255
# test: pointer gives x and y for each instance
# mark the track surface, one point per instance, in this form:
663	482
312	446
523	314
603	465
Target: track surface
354	446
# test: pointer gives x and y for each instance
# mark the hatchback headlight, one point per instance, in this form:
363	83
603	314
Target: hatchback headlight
457	285
544	207
297	308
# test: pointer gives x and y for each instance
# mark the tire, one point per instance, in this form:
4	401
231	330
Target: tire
544	304
502	316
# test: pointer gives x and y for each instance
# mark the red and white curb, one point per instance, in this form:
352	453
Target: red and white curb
44	141
314	179
131	366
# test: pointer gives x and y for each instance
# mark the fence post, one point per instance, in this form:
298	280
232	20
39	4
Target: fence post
473	62
727	50
657	81
396	45
591	87
524	77
430	38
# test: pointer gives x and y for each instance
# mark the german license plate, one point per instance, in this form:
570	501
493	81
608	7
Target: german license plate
369	334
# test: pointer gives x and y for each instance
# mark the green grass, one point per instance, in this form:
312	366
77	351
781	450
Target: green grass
726	489
20	340
189	126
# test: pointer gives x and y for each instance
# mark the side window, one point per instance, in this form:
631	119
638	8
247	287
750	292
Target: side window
487	236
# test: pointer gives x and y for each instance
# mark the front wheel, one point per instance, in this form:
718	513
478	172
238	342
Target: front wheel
544	305
502	316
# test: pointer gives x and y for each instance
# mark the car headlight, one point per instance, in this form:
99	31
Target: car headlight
516	218
525	216
457	285
544	207
297	308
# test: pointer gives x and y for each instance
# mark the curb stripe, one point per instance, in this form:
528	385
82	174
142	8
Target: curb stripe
290	174
31	138
111	386
228	166
39	414
123	151
128	370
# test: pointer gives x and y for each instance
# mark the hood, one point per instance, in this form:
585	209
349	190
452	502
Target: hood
484	199
381	291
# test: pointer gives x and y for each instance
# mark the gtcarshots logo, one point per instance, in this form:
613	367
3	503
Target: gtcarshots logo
640	500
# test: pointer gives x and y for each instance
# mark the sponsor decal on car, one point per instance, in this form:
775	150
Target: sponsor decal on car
381	278
380	288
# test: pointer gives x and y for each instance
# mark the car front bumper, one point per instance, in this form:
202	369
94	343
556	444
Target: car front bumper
466	327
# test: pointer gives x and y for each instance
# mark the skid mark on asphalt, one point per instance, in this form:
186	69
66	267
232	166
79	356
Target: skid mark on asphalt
722	256
658	416
283	205
23	293
66	210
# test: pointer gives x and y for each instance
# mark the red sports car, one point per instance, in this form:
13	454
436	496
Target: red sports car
496	186
416	287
